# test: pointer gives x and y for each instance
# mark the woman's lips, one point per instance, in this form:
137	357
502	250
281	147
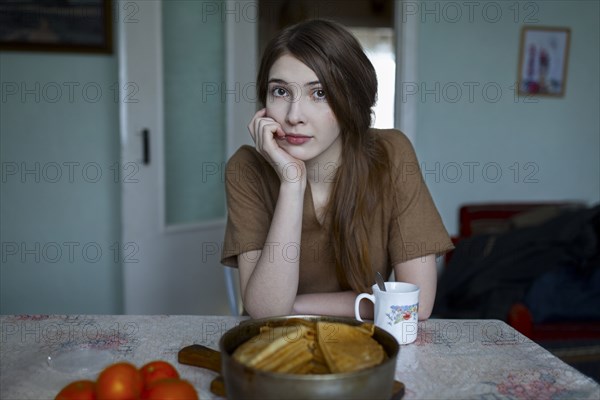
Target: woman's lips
297	139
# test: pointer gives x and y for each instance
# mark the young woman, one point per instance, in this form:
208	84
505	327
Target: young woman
323	201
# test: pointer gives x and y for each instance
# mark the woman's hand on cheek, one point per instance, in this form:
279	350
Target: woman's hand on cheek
266	132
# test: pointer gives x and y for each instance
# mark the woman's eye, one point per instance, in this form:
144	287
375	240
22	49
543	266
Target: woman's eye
320	94
279	92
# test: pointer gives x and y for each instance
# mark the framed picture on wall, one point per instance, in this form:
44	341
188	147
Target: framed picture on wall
56	25
543	59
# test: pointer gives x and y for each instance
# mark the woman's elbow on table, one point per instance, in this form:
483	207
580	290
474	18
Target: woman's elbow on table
271	309
424	314
422	272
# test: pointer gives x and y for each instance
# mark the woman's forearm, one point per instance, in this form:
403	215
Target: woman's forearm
337	304
273	282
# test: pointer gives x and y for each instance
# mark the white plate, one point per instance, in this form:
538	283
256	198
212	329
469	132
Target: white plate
82	361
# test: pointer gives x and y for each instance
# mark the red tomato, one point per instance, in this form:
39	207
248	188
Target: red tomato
157	370
78	390
120	381
170	389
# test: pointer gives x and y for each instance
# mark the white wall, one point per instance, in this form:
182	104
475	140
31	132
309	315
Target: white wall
546	149
59	197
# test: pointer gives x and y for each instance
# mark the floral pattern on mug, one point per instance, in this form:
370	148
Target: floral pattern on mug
402	313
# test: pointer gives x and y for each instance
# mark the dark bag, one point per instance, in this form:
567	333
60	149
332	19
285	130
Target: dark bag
487	274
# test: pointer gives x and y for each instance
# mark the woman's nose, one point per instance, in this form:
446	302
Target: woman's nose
295	114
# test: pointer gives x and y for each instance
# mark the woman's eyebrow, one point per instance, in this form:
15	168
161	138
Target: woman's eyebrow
283	82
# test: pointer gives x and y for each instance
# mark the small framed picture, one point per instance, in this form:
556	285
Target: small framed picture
56	25
543	61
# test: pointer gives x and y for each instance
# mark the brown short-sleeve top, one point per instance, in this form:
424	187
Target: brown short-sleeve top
403	227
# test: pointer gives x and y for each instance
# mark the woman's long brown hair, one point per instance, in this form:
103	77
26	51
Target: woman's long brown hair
350	84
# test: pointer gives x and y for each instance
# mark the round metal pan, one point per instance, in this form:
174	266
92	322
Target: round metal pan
242	382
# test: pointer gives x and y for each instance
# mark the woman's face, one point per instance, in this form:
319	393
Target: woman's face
297	101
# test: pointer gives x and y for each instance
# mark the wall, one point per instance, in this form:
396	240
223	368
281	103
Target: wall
553	144
488	144
517	149
60	205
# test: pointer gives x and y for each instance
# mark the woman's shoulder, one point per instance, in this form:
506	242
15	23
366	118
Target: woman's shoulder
393	140
246	153
247	165
246	157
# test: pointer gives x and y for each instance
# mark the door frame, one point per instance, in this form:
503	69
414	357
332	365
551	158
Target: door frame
240	48
241	60
406	31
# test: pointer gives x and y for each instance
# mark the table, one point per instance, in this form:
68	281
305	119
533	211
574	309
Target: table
475	359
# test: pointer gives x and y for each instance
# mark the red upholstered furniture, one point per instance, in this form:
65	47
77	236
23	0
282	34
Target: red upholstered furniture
520	318
496	217
486	218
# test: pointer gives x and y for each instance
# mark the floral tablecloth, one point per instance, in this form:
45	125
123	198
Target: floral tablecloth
451	359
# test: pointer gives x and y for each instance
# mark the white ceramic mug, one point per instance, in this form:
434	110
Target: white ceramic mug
395	309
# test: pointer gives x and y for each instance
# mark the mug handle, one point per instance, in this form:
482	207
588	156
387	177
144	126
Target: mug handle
357	304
